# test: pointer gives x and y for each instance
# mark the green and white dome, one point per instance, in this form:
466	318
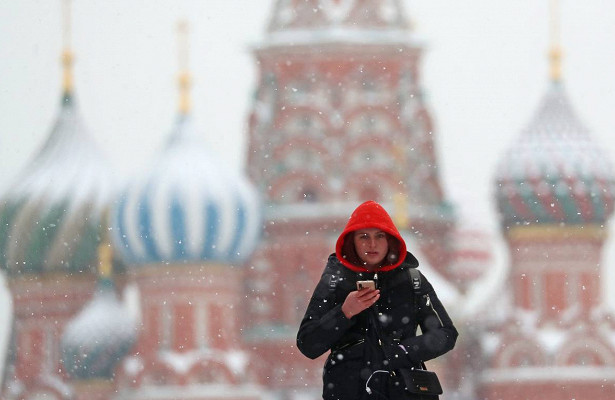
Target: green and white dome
49	219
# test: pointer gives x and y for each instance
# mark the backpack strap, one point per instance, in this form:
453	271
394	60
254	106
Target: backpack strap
333	279
415	279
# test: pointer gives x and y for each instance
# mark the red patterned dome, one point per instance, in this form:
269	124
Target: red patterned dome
555	173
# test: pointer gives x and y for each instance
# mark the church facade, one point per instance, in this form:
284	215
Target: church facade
221	266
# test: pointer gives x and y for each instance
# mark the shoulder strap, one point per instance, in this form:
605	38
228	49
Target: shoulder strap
415	279
333	282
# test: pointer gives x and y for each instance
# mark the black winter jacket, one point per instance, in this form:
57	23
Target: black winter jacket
358	345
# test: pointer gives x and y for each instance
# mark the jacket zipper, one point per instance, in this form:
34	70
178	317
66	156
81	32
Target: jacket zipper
347	345
430	304
351	344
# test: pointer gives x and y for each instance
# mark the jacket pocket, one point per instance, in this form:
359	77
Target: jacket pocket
342	372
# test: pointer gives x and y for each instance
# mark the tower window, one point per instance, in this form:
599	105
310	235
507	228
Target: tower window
309	196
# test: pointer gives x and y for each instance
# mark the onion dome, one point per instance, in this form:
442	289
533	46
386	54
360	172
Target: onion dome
102	333
554	173
49	219
189	208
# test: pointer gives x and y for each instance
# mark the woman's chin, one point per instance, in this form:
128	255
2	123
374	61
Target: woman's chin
372	265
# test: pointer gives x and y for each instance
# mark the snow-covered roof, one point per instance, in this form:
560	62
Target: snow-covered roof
309	14
312	22
304	37
95	341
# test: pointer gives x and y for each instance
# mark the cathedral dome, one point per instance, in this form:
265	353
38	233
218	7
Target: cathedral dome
49	219
189	209
99	336
554	173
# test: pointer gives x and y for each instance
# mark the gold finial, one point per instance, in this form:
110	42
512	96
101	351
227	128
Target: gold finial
67	54
105	259
105	251
401	217
184	75
555	52
400	198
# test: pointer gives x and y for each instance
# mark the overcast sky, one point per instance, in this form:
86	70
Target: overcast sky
484	71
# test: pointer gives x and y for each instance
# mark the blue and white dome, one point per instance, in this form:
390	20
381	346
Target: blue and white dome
189	208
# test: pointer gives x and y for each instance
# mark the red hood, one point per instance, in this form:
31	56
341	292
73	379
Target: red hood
370	215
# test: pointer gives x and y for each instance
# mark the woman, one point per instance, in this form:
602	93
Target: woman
372	332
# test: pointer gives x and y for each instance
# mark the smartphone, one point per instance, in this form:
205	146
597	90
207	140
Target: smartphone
366	284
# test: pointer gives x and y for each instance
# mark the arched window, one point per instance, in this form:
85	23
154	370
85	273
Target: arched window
370	123
305	124
520	353
297	187
303	159
309	195
374	157
586	351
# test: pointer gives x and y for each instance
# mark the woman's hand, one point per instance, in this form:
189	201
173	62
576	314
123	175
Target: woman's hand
359	300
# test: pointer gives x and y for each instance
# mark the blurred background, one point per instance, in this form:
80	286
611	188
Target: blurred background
478	72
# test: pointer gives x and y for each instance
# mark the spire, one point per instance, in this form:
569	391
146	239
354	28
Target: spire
184	75
555	51
67	53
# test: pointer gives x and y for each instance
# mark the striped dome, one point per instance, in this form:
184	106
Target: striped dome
189	209
49	220
554	173
97	339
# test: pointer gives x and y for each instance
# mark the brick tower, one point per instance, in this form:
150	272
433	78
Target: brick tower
554	191
338	118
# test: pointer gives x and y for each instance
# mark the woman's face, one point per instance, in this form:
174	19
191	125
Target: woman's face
372	246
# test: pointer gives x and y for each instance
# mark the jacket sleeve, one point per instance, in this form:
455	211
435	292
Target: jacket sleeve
438	332
324	322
